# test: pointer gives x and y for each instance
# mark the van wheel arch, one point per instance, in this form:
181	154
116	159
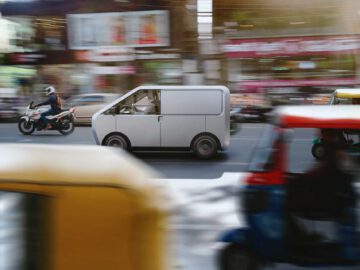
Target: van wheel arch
216	147
118	134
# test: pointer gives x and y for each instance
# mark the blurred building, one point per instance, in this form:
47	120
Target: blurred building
289	50
89	45
284	51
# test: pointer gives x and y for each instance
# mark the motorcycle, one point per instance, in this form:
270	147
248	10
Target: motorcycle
62	122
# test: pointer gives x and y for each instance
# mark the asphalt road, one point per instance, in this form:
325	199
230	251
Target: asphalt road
204	208
180	164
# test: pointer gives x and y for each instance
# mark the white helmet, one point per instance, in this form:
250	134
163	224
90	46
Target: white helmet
49	90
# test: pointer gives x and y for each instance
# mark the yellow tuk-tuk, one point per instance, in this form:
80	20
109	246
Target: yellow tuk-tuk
345	96
79	207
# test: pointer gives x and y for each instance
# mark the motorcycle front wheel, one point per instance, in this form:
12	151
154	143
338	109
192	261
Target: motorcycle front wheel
67	126
26	127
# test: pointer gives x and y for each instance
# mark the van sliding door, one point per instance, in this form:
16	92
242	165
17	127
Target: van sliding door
183	114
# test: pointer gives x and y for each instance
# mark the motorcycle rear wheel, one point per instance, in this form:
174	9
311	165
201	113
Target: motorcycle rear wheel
26	127
67	126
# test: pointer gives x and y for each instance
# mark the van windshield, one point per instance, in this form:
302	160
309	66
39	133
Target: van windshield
141	102
263	157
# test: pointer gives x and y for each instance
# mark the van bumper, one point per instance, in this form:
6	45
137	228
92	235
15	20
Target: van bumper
93	129
226	142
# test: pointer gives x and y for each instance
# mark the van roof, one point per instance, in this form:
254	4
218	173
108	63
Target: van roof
182	87
347	93
319	116
73	165
97	94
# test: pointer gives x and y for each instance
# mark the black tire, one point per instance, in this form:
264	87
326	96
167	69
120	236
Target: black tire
234	127
205	147
67	126
26	127
117	140
318	151
233	257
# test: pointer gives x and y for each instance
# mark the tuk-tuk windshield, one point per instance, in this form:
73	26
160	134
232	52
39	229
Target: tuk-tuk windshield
345	101
263	157
21	230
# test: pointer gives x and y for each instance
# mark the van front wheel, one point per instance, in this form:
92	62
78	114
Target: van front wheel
117	140
205	147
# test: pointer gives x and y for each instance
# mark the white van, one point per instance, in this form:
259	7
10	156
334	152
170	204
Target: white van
167	117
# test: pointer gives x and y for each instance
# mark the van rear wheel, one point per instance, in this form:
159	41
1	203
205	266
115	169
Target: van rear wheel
117	140
205	147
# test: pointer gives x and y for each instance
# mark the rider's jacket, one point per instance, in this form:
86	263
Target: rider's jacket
52	102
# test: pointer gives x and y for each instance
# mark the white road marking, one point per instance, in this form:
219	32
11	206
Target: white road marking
196	164
201	227
255	126
258	138
26	140
244	139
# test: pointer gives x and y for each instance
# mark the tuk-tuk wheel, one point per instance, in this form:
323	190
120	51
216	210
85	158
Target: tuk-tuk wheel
235	257
319	151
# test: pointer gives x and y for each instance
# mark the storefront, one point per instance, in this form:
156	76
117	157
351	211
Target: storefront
296	68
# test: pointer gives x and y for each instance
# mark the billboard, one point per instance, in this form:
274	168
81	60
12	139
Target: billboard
118	29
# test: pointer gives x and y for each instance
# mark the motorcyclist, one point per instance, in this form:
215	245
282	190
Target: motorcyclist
55	106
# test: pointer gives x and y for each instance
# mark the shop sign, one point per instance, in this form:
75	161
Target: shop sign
115	70
248	85
302	46
118	29
158	56
106	55
23	58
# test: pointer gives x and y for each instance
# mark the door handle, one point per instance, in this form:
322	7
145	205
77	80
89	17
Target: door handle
159	118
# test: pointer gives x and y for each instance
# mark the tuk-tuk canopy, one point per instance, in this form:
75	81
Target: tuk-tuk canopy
73	165
318	116
87	207
347	93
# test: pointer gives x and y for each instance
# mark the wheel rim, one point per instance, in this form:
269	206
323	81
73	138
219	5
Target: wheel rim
319	151
116	142
206	147
67	125
26	126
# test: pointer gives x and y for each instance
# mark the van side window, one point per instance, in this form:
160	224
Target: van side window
144	102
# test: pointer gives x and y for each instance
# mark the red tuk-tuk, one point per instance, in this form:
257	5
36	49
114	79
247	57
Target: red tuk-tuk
279	206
